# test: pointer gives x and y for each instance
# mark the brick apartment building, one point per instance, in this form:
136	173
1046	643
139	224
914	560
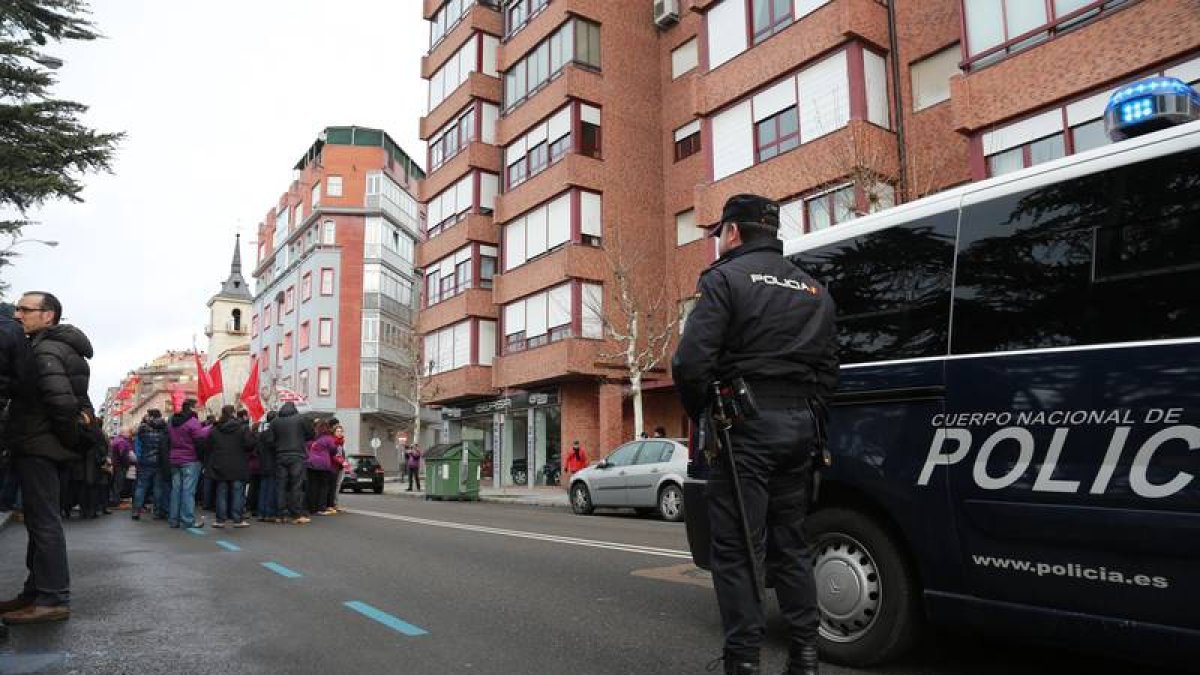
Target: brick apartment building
559	129
334	302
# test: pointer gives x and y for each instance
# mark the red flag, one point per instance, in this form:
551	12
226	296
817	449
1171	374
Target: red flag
202	383
250	396
216	385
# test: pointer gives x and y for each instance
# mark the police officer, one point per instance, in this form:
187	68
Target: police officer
761	318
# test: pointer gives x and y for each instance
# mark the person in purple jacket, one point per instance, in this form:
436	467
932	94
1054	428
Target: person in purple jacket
121	447
320	469
185	433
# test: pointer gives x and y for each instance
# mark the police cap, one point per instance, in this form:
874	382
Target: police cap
747	208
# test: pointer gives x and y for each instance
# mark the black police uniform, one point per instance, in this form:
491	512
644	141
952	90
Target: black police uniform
761	318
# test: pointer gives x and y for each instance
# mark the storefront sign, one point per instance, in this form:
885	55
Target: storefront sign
517	402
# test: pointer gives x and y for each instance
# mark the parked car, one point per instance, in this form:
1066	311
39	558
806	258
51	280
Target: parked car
646	474
365	472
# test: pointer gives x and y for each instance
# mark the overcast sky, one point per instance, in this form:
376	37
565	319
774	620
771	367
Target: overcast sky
218	100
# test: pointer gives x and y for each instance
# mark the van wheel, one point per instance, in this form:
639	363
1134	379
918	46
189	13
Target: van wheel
866	589
581	500
670	503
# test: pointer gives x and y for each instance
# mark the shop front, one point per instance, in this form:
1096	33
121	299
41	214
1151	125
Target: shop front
519	436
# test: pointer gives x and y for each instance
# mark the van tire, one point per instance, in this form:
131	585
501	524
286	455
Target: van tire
886	620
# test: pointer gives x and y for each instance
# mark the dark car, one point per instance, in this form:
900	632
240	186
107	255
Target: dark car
365	472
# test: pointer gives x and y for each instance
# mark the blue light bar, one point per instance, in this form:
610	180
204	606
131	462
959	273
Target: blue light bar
1148	105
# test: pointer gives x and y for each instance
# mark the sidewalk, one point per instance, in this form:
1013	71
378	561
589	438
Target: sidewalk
552	497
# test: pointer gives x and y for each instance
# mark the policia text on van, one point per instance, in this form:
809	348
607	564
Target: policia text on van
974	327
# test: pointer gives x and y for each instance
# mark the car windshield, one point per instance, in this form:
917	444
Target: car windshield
365	463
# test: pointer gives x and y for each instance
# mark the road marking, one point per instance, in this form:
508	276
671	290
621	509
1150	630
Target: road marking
555	539
398	625
228	545
682	574
196	530
281	570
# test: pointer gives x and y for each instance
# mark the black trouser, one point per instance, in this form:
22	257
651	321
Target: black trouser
252	494
289	475
318	490
773	466
414	474
49	581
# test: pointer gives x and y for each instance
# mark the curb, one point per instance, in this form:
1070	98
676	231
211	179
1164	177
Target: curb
5	517
493	499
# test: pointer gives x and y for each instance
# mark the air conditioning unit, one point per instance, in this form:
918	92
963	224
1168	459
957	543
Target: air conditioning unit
666	13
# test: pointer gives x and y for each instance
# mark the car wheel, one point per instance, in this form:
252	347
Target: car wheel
867	593
670	503
581	500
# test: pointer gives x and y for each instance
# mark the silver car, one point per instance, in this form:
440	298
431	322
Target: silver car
646	475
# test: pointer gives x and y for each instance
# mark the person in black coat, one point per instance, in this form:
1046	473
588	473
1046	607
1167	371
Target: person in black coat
154	449
230	443
268	509
43	429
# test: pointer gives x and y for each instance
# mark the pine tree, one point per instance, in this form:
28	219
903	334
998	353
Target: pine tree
44	148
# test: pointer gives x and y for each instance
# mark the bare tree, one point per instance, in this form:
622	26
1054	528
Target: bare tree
644	317
417	378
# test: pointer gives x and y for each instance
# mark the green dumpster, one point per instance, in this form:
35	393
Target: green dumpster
452	471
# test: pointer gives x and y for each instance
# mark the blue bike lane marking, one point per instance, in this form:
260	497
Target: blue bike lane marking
281	570
395	623
228	545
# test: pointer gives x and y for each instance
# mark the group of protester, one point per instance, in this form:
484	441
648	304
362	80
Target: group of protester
283	469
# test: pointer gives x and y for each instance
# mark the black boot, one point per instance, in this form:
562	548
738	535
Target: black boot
740	667
804	663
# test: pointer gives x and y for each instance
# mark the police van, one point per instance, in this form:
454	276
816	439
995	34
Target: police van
1016	432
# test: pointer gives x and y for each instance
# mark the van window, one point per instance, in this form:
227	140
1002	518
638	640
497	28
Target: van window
1108	257
892	289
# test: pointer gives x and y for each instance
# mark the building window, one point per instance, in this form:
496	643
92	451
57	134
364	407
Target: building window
454	203
306	286
303	340
266	316
265	359
1089	135
576	41
451	347
589	131
931	77
315	195
687	140
684	58
768	17
685	228
302	380
328	231
458	68
287	345
777	134
996	28
518	13
333	186
253	325
324	381
829	208
289	299
548	226
539	319
325	332
326	281
542	146
452	139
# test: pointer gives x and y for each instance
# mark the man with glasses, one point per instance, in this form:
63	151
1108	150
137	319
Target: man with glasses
44	431
760	318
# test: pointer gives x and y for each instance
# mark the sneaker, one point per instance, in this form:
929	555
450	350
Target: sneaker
330	511
218	524
240	524
36	614
302	520
197	525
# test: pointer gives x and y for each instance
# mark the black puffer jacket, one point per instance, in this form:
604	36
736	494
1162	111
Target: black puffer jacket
46	423
154	441
230	443
290	433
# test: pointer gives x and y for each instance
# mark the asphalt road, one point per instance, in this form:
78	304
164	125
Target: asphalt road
447	587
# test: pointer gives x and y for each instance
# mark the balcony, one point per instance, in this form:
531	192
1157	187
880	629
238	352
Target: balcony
570	261
859	144
383	303
569	358
471	302
474	227
373	252
573	81
383	352
1050	72
479	18
477	85
461	383
392	209
384	404
578	170
810	37
476	155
